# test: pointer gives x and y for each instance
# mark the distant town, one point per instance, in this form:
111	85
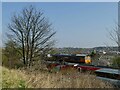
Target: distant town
71	50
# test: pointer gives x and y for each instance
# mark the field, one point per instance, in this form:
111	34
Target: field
32	78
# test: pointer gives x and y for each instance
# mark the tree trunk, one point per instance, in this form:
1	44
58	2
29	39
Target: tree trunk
27	51
23	50
31	51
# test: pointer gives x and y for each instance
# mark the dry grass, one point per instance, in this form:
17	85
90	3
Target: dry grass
31	78
12	78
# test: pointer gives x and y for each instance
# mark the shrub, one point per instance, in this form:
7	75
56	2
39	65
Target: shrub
116	62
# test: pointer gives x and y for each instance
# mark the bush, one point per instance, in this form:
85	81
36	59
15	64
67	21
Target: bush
116	62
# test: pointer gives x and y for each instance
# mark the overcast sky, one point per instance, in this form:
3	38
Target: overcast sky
77	24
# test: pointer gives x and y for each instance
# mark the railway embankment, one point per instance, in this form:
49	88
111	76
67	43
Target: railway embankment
34	78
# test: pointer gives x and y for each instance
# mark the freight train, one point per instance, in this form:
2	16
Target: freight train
72	58
82	63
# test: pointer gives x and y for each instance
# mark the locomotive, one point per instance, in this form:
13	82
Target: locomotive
72	58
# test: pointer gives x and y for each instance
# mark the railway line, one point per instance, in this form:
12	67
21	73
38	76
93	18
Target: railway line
105	73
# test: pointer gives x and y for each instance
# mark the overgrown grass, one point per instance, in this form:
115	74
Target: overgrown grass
12	79
31	78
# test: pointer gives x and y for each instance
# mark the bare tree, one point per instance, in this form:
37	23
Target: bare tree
33	32
115	33
115	36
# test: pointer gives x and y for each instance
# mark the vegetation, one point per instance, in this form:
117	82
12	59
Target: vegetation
12	79
29	42
32	32
115	35
10	55
116	62
31	78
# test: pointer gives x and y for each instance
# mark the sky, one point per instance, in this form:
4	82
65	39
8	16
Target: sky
0	25
80	24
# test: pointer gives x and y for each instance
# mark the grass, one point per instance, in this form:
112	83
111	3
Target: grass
31	78
12	79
